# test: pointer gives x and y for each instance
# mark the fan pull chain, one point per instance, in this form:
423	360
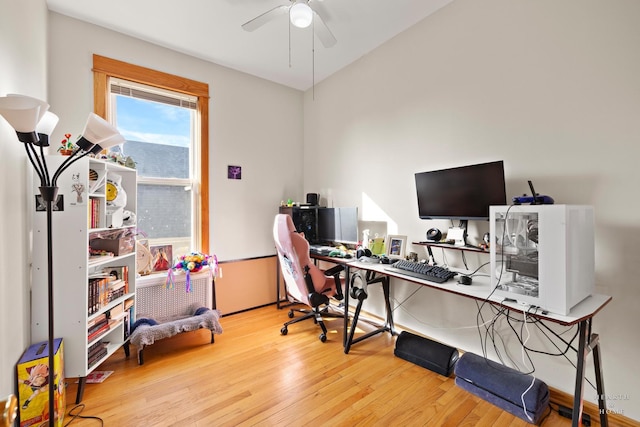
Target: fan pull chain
313	60
289	43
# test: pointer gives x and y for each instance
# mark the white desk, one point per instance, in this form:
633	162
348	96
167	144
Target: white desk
581	315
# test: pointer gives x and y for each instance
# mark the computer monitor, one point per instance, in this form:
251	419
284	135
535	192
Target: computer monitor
338	225
462	193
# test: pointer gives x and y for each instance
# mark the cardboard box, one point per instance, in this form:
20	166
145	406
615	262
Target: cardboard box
33	384
121	246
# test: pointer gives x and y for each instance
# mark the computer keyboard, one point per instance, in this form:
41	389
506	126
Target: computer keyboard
420	270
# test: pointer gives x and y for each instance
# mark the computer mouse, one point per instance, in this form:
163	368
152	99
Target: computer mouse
384	259
465	280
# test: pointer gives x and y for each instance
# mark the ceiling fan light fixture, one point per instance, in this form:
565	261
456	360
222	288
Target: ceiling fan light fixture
300	14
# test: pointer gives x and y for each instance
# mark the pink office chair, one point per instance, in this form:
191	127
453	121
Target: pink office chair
304	282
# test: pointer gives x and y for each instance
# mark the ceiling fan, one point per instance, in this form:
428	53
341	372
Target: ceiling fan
301	15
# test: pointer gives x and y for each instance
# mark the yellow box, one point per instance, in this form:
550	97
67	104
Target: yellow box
33	384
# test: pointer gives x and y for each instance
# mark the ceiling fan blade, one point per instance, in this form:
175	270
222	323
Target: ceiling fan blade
260	20
322	31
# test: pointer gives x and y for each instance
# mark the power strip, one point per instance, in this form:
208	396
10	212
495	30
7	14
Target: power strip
568	412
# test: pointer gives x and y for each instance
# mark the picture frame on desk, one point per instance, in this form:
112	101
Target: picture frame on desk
396	246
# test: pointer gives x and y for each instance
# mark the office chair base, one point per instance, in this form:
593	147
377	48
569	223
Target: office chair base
315	314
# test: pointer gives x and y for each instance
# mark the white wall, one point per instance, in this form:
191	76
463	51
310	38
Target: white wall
253	123
23	57
549	87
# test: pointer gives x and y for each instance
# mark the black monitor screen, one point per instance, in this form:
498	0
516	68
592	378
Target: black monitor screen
463	193
339	225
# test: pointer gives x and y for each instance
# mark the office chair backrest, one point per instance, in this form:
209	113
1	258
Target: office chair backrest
293	254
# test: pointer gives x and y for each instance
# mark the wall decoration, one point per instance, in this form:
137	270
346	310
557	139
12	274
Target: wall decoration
234	172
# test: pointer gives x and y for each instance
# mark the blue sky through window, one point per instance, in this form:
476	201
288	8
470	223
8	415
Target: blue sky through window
148	121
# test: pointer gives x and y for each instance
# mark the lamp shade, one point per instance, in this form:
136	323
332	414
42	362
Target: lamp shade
111	141
45	127
301	14
23	113
107	143
95	130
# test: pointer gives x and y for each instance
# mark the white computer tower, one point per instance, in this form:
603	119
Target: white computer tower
543	255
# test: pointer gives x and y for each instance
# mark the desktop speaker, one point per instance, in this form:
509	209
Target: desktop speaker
434	235
313	199
435	356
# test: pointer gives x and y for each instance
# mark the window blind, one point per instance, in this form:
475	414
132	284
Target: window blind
149	93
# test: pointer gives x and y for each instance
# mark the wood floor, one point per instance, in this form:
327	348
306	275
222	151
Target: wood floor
252	375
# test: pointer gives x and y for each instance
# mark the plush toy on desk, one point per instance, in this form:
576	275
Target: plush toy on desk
340	252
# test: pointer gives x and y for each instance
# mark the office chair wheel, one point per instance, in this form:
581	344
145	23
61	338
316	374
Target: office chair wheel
284	330
323	337
290	314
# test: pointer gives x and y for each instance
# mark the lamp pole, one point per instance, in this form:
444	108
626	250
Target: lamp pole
33	124
49	193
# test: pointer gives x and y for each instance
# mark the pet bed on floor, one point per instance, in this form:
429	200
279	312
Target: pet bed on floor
146	331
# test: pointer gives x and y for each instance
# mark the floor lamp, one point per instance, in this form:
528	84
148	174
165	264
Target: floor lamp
33	124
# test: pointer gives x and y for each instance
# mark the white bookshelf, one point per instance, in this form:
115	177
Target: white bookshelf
72	266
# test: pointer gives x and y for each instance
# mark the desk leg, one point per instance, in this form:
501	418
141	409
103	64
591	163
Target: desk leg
602	401
584	328
346	292
349	341
387	299
387	327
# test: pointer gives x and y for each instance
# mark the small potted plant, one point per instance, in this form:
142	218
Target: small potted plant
67	146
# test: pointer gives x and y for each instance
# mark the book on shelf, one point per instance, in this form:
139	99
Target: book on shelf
118	272
98	319
116	289
93	335
96	348
97	329
118	277
97	325
97	357
117	312
94	212
103	290
97	293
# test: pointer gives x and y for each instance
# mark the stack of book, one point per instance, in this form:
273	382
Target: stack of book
94	213
96	290
117	313
106	286
118	279
97	326
96	352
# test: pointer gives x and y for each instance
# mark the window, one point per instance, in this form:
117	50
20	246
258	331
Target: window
172	162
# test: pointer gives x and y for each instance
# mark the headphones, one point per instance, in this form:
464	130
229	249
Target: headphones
434	234
363	252
359	291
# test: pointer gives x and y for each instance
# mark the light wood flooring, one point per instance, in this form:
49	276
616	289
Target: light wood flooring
252	375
